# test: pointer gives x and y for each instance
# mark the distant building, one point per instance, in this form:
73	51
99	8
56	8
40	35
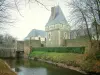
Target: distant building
57	28
36	36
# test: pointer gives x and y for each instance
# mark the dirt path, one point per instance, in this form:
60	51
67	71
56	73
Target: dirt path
5	69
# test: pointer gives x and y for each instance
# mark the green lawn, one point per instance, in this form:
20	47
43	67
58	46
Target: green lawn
58	57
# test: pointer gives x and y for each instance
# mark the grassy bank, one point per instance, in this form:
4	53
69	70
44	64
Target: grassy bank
66	58
5	69
70	59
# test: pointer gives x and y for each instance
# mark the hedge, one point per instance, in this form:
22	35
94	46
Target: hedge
79	50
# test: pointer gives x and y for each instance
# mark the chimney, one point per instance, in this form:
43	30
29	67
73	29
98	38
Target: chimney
53	12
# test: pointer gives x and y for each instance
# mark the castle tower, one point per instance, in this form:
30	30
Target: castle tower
57	28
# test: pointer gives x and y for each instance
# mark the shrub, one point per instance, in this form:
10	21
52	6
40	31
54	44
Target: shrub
79	50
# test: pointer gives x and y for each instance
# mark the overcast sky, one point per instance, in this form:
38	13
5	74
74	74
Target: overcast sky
34	16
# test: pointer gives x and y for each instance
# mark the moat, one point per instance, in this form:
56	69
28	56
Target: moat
30	67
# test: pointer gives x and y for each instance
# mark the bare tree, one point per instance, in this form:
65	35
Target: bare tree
5	15
7	5
39	2
7	45
80	16
9	41
86	13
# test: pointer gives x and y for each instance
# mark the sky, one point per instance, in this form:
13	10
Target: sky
33	16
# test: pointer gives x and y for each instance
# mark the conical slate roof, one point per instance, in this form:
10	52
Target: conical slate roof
56	17
36	33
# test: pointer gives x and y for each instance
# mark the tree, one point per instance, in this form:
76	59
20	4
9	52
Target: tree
6	6
39	2
9	41
86	14
7	45
5	16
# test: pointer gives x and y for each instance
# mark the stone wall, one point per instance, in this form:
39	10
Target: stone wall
26	48
52	39
8	48
7	52
35	43
56	38
20	45
29	44
78	43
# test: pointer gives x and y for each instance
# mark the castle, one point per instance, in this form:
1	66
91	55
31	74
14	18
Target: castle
56	30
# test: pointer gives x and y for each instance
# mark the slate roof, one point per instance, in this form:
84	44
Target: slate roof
36	33
59	17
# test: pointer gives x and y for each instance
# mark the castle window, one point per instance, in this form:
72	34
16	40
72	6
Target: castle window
39	38
45	39
65	35
49	35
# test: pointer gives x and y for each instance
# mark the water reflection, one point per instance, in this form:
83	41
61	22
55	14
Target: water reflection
30	67
32	71
17	69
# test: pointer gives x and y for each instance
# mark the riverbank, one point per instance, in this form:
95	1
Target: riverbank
5	69
60	65
72	61
65	60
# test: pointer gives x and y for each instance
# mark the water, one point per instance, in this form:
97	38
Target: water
30	67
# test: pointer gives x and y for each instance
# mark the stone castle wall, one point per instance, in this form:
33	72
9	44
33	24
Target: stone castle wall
29	44
78	43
